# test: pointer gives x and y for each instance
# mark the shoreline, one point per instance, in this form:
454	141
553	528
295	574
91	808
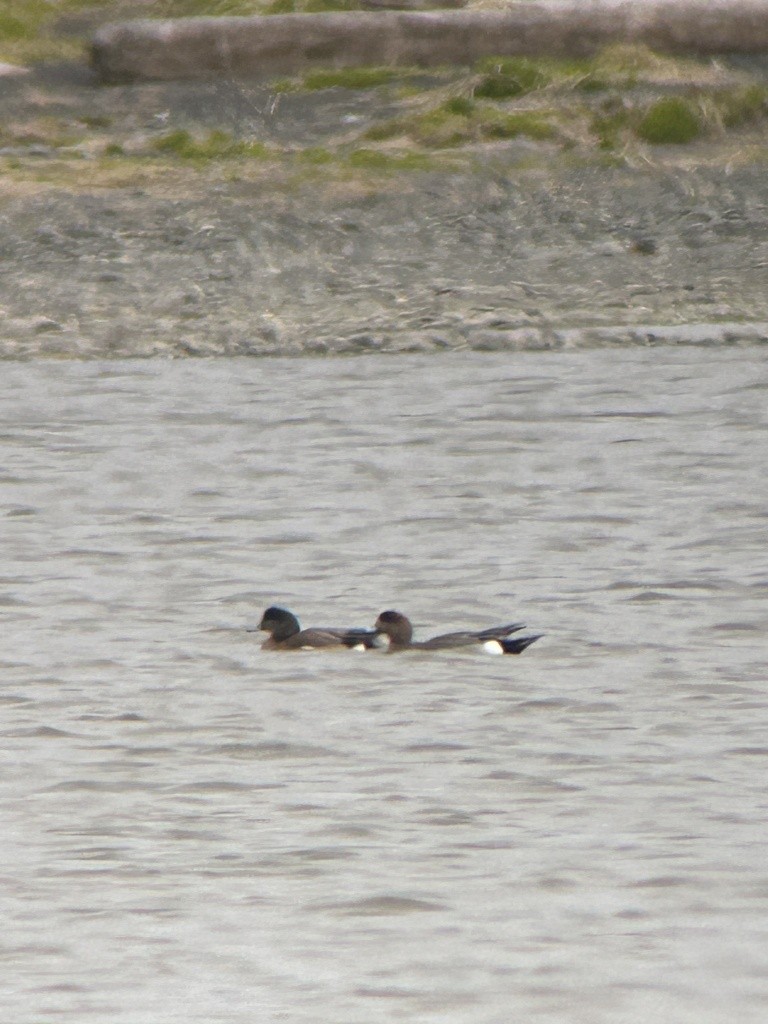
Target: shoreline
546	261
712	336
382	212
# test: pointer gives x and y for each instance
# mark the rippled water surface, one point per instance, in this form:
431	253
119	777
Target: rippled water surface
195	830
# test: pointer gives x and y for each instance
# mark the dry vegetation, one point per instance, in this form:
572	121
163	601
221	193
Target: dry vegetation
626	105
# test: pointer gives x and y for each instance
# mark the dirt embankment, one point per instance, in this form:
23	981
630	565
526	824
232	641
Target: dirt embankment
115	244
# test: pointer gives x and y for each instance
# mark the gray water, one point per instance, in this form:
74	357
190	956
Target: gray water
196	830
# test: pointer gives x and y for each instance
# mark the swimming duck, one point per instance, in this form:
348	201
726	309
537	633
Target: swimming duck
495	640
285	634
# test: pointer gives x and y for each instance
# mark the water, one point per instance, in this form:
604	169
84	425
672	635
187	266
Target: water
194	830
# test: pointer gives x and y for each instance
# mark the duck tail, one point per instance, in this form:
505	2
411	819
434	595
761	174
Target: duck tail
519	644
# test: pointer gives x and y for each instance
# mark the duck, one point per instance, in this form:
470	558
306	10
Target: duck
495	640
286	634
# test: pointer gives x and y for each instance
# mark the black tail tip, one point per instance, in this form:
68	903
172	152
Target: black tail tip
519	644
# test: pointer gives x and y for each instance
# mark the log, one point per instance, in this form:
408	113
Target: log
252	47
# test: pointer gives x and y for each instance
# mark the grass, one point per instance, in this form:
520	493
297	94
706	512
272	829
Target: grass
623	101
45	130
219	146
669	121
508	126
28	30
216	145
678	120
741	106
36	30
459	121
315	156
610	124
361	170
309	6
341	78
376	160
504	78
27	19
604	104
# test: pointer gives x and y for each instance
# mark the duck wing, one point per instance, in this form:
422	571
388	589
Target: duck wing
466	638
498	632
308	639
356	636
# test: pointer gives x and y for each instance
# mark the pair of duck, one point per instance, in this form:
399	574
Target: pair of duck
392	629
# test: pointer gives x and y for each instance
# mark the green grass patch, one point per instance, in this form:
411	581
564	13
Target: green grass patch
741	106
349	78
217	145
309	6
668	121
498	125
677	120
615	67
28	29
48	131
205	8
24	19
461	105
504	78
389	129
376	160
13	28
315	155
459	121
591	81
610	124
625	65
342	78
439	128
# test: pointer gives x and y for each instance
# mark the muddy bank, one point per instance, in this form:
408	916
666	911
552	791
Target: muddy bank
586	257
289	230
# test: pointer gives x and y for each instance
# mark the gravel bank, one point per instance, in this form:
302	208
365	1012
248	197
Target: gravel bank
591	257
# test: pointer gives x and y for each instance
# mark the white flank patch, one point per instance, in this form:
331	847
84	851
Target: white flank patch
493	647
